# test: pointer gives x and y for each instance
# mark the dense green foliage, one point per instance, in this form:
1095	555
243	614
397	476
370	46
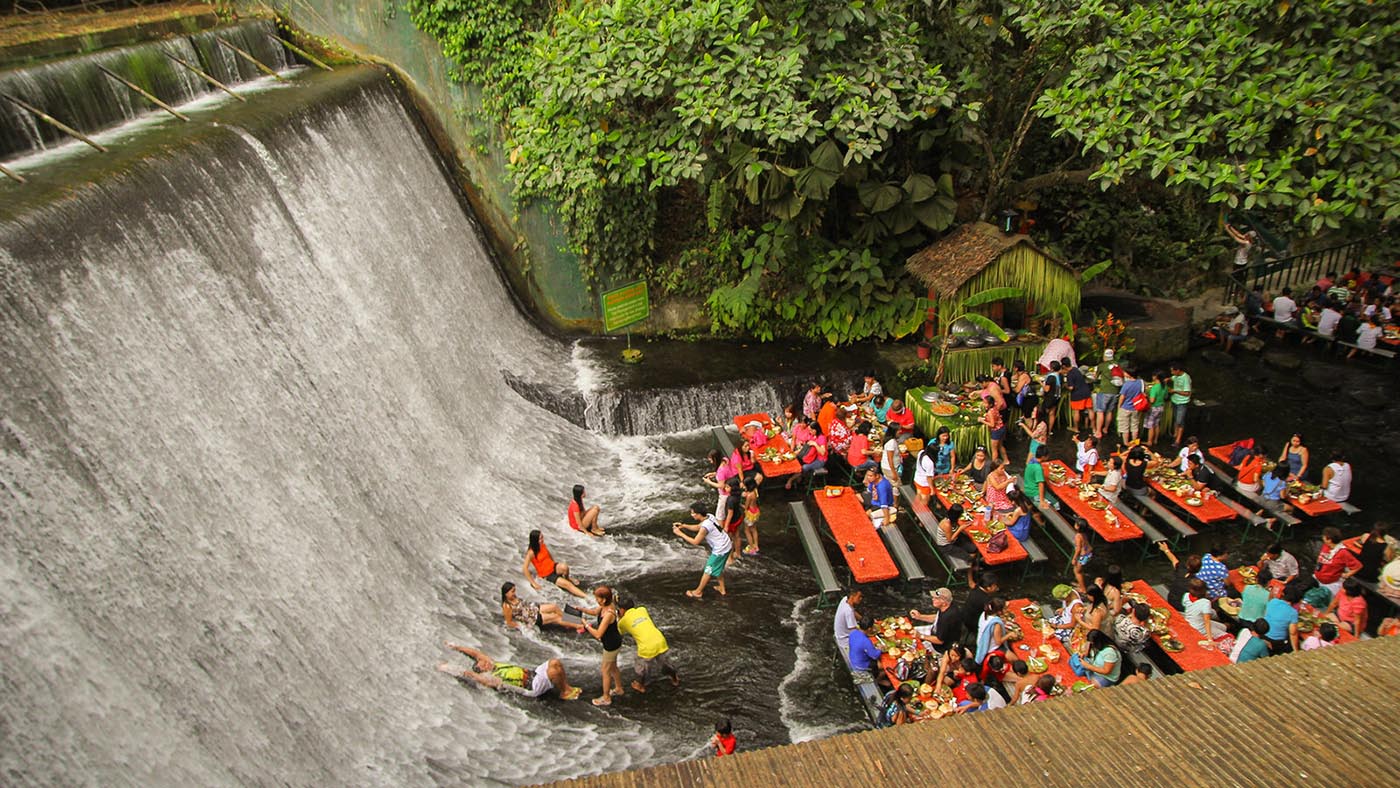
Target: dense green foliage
782	158
1257	103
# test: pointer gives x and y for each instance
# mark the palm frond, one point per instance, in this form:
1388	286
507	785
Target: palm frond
1094	270
994	294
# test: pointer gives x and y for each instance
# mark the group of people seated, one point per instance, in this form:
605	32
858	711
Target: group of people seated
1274	593
1353	309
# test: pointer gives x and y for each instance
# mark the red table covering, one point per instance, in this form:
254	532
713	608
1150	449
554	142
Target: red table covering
849	523
1032	640
1313	508
1014	551
1194	656
1121	531
1211	509
771	470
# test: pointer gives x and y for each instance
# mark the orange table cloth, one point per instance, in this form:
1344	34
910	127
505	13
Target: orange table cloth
1014	551
1211	509
771	470
1033	640
1121	531
1222	453
1193	656
1313	508
860	544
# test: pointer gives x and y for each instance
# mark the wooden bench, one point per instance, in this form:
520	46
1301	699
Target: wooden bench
952	563
1061	526
903	557
1377	351
1161	512
1254	498
828	589
869	692
720	437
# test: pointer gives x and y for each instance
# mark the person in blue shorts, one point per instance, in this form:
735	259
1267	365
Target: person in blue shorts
706	529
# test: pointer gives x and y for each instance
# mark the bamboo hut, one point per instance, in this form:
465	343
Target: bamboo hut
978	257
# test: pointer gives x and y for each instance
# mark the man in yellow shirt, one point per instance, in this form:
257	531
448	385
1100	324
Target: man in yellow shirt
652	650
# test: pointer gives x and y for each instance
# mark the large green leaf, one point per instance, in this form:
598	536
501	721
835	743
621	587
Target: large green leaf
814	182
827	156
920	187
879	197
992	294
986	324
936	214
1094	270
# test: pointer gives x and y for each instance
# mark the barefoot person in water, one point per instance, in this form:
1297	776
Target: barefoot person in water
584	519
545	568
530	682
652	648
706	529
519	613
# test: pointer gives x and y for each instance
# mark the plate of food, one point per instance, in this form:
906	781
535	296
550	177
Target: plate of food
1249	573
1172	644
1231	606
1099	504
1193	501
1036	665
1032	612
896	653
980	537
1083	685
944	409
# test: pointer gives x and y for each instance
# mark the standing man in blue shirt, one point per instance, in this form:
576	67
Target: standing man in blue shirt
879	497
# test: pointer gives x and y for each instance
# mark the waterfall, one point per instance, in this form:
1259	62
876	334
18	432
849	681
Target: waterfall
258	459
603	405
78	93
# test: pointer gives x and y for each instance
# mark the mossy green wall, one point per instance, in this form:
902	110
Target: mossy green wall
531	242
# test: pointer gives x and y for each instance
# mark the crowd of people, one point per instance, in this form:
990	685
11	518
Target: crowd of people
870	439
968	643
1354	309
599	612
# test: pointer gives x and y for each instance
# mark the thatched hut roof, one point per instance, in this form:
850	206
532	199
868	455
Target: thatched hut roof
950	262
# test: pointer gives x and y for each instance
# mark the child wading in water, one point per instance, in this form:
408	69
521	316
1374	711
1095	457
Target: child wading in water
1083	549
723	741
750	517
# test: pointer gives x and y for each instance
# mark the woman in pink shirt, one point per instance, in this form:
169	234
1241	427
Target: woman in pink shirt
1348	608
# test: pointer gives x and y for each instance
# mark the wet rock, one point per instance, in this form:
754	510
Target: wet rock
1322	379
1218	358
1370	398
1279	360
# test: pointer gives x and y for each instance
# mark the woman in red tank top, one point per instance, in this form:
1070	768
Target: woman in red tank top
581	519
538	559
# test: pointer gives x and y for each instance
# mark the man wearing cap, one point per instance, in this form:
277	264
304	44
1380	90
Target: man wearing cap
946	621
1238	328
1105	394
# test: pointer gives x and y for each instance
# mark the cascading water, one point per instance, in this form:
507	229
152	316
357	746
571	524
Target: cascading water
78	93
257	460
606	407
